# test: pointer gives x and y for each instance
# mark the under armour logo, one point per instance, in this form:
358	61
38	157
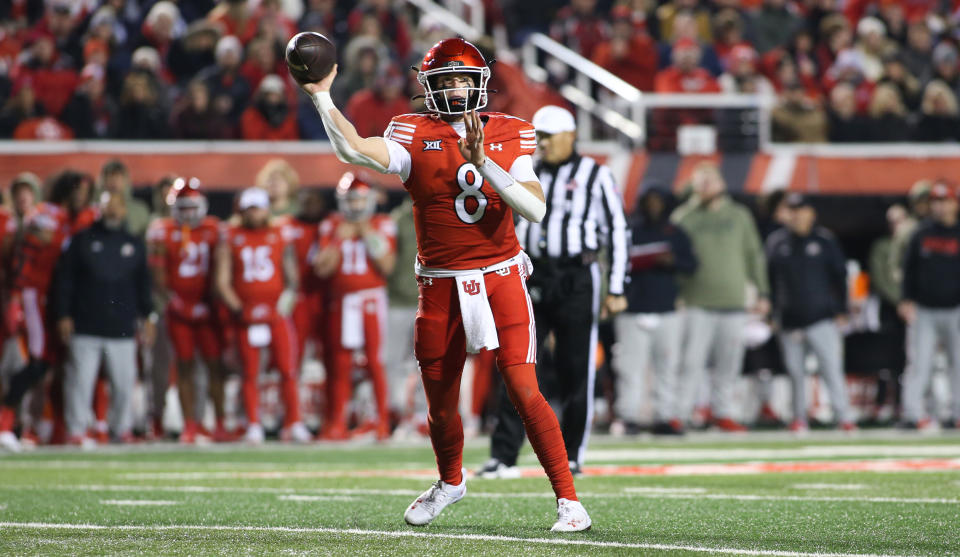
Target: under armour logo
426	281
503	272
496	146
472	287
432	145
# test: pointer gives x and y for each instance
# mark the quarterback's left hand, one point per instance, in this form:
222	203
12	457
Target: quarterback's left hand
471	146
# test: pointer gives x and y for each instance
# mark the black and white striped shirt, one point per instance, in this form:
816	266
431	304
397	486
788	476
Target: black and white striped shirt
583	212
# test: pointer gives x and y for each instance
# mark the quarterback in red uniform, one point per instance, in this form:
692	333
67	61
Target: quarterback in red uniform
466	172
180	248
256	277
356	253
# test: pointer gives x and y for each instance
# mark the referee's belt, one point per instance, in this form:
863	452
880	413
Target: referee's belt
583	259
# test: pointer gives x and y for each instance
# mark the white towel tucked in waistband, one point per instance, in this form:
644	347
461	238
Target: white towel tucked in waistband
351	321
478	323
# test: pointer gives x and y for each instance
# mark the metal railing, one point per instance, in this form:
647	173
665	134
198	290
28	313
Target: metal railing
452	15
595	92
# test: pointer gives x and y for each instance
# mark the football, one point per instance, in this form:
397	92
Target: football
310	57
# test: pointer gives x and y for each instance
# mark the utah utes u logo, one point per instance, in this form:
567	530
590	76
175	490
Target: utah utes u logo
472	287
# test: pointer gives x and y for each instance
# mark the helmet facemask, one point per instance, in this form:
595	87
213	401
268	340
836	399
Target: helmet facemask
439	100
357	204
189	210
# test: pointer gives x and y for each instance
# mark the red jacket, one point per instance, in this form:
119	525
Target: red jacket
637	68
255	127
671	80
370	114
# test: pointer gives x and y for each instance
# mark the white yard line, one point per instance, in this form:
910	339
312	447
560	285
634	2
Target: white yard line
317	498
138	502
797	498
667	490
837	487
424	535
652	492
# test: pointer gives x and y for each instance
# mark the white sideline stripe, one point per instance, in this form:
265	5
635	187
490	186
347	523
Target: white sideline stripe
137	502
312	498
644	492
667	490
424	535
839	487
795	498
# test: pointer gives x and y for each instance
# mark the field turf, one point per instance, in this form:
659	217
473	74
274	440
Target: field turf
879	493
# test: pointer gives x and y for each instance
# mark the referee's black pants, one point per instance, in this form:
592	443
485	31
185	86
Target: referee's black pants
565	301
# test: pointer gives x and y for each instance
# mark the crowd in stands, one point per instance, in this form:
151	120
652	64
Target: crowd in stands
863	70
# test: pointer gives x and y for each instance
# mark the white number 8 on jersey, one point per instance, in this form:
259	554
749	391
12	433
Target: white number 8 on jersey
470	183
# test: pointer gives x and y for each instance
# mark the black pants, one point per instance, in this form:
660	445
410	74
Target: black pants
564	301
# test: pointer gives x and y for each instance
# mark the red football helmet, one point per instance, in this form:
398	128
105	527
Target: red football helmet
356	200
454	56
187	205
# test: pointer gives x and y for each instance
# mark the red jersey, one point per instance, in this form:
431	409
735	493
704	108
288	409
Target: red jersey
185	256
357	270
461	222
256	256
48	229
303	235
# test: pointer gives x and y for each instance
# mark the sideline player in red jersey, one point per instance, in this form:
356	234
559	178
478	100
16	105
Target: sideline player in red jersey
356	255
180	247
256	276
302	231
467	173
35	253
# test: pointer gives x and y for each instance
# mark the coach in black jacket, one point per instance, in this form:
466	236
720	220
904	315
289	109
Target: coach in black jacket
103	291
931	304
808	282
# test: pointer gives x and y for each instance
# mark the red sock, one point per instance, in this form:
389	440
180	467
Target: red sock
8	418
542	427
291	397
446	429
101	400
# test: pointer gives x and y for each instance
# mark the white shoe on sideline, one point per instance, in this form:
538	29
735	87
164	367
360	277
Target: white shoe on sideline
426	507
495	469
254	435
571	517
297	433
10	442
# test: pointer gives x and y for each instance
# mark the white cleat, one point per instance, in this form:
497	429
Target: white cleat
254	435
9	442
297	433
494	469
426	507
571	517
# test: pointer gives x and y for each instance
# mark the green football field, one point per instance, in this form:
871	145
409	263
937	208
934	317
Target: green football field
877	493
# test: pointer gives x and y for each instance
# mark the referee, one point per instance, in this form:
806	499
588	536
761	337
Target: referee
583	213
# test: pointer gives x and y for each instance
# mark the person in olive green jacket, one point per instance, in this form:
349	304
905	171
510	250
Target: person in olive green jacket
115	180
403	293
726	242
